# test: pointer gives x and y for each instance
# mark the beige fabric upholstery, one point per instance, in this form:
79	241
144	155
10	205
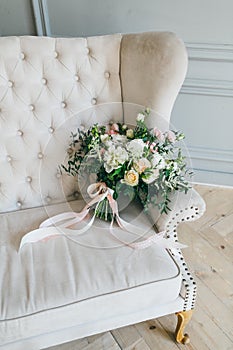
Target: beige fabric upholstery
60	273
153	68
49	87
62	290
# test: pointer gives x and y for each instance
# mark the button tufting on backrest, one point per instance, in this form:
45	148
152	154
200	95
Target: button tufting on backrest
19	204
48	199
22	56
10	83
51	130
76	77
37	113
8	158
29	179
19	132
93	101
31	107
40	155
107	75
44	81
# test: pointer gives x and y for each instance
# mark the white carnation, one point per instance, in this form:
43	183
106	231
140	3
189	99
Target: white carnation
136	148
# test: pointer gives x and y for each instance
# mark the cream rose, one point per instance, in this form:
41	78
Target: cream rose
129	133
131	178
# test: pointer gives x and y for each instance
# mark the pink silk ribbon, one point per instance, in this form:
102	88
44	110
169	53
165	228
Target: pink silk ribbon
61	224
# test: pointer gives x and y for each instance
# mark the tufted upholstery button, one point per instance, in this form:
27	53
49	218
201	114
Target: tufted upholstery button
31	107
28	179
58	175
40	155
93	101
51	130
19	133
44	81
22	56
19	204
87	50
76	77
48	199
63	104
8	158
10	83
107	75
55	54
76	194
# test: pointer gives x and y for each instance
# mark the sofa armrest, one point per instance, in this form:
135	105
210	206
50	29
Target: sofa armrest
184	207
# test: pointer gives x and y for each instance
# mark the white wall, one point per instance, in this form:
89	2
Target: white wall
204	108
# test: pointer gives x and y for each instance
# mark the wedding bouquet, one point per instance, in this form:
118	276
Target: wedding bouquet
137	162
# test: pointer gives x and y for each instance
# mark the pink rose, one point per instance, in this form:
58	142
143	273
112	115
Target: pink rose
115	127
171	136
158	133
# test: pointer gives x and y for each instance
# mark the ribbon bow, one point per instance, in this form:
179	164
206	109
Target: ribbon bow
55	225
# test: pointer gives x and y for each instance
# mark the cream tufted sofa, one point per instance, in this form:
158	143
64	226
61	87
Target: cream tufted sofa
58	291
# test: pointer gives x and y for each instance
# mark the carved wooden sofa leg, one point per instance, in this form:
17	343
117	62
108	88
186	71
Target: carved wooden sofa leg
183	319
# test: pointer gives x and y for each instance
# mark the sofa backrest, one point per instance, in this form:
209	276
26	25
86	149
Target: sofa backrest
50	86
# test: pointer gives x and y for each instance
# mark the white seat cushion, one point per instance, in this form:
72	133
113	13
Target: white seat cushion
60	274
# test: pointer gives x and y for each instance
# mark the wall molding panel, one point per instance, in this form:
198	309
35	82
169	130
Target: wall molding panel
41	17
204	105
204	59
210	52
209	159
208	87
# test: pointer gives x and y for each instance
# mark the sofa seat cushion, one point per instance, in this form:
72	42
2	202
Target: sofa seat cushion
57	273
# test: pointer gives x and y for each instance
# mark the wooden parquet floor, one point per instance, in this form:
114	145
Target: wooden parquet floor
210	258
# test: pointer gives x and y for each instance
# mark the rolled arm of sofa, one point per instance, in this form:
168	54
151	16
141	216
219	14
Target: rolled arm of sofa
184	207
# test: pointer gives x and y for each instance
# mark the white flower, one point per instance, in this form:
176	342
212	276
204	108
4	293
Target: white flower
124	126
136	148
175	166
141	165
130	133
140	117
158	161
104	137
148	179
131	178
114	157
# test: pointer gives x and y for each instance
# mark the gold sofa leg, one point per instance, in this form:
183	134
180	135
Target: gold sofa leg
183	319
